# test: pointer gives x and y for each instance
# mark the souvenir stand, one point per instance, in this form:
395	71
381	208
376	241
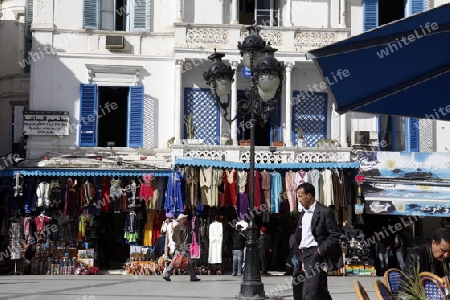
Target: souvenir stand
69	221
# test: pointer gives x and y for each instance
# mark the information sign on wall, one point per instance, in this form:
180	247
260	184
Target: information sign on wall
46	123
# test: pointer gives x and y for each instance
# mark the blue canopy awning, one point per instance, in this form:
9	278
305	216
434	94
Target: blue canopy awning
402	68
183	161
84	172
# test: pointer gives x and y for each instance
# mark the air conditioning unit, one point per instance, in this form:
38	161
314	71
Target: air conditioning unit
114	42
365	138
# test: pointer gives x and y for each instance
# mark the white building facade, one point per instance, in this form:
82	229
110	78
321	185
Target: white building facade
14	78
127	72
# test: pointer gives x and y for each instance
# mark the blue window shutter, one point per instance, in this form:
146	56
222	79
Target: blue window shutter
370	14
414	134
135	135
139	15
88	117
417	6
92	14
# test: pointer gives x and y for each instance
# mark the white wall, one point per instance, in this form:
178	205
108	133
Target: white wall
11	36
311	13
203	12
59	91
13	82
442	134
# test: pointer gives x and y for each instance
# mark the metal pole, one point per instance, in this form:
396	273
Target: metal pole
251	286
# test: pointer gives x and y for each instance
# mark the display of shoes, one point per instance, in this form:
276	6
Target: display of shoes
167	278
195	279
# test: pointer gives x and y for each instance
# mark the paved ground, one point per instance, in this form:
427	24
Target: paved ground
111	287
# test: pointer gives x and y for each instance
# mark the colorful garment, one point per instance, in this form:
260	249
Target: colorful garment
265	186
276	189
192	184
105	189
146	189
70	198
256	189
291	187
206	178
174	197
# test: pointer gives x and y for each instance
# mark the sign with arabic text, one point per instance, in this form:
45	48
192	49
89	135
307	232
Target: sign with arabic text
46	123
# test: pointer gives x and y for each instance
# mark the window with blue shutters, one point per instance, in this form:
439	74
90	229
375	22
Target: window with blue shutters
92	14
370	8
414	135
119	15
201	104
309	112
111	114
135	136
400	133
417	6
88	117
138	20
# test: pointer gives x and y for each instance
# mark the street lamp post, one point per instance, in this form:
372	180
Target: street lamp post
259	101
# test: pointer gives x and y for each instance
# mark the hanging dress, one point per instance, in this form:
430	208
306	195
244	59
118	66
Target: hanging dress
291	187
256	189
174	198
313	178
105	189
215	243
242	208
146	191
328	197
206	178
276	188
230	179
148	228
192	184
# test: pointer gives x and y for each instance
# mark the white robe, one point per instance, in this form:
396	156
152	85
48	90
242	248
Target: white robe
215	243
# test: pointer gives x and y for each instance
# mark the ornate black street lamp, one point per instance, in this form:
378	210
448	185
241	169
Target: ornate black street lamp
259	101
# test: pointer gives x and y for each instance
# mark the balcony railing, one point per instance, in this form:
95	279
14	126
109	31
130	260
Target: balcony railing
208	36
264	155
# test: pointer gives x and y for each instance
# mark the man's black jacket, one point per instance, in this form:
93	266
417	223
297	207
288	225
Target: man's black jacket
326	233
422	257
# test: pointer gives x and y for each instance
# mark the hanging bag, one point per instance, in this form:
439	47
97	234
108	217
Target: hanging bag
180	262
195	248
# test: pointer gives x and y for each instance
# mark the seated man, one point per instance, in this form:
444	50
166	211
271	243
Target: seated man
431	256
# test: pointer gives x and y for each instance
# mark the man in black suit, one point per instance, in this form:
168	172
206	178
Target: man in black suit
317	237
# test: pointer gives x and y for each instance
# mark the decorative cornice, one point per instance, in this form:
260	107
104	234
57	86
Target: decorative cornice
114	69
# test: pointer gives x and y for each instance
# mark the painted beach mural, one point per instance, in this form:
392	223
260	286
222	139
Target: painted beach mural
406	183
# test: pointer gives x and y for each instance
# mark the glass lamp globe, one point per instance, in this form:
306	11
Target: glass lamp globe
267	85
223	86
257	56
266	96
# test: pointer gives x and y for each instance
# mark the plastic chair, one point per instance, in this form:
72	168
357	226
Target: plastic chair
433	286
382	291
360	291
392	279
